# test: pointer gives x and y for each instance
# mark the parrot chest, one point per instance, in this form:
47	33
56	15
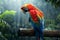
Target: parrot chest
33	16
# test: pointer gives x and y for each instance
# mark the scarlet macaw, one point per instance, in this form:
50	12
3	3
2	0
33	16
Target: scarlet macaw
36	19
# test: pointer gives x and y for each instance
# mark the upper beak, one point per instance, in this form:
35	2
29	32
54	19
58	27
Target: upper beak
24	9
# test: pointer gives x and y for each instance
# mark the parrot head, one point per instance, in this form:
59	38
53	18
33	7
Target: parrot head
27	7
24	8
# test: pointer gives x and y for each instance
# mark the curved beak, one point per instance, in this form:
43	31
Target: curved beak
24	9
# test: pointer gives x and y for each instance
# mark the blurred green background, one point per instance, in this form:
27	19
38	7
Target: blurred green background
12	18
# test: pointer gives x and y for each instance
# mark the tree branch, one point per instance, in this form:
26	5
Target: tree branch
30	32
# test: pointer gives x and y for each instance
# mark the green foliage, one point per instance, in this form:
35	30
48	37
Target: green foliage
3	27
56	3
49	21
6	13
58	19
52	24
8	16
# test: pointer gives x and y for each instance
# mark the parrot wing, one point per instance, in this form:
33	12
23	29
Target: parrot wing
40	14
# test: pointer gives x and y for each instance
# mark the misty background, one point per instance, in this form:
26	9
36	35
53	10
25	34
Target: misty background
12	18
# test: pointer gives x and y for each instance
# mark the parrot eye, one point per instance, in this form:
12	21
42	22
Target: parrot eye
24	9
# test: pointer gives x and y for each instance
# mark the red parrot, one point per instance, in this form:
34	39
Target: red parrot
36	18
